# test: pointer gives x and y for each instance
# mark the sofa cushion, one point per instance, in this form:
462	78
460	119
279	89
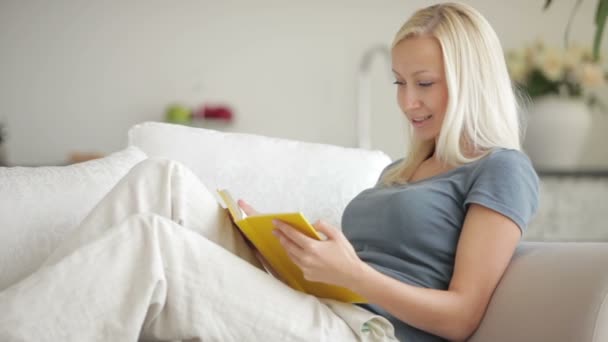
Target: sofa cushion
39	206
274	175
555	291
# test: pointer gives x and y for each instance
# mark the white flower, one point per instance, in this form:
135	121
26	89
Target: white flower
590	75
568	72
574	56
516	62
538	45
551	63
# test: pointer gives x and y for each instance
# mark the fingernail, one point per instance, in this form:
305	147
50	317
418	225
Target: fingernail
275	233
275	222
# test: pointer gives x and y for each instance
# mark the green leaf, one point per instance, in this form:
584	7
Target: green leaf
601	8
537	85
547	3
600	22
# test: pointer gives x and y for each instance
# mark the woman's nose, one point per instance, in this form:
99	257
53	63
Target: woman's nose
411	101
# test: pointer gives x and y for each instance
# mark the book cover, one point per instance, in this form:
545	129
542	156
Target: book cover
258	230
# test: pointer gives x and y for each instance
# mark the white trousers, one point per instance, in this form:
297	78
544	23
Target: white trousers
159	259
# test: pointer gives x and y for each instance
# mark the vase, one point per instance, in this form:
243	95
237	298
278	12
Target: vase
557	131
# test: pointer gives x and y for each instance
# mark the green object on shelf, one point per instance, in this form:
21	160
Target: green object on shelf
178	114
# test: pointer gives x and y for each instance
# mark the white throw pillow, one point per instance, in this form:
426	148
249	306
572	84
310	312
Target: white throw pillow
274	175
40	206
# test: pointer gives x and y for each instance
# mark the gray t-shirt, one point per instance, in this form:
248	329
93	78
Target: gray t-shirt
410	232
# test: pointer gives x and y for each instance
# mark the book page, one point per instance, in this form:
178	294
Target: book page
235	211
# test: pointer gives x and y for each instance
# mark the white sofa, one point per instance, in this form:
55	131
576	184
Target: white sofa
550	292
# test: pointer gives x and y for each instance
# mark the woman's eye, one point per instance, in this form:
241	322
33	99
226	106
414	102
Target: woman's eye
399	83
425	84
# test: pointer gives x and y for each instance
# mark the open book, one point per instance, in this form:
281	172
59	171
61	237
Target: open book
258	230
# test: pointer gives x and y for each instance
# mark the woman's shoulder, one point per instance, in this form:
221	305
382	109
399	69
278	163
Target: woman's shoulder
507	163
506	181
507	158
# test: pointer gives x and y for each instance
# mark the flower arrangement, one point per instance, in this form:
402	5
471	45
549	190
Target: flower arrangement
573	71
542	70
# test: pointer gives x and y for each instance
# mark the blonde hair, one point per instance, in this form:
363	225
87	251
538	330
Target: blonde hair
482	110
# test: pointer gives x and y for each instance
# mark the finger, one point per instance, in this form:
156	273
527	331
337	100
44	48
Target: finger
327	229
249	210
293	234
293	250
303	261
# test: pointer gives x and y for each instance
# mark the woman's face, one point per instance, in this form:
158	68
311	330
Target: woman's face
422	92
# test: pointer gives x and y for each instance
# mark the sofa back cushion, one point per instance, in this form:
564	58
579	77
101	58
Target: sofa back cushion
274	175
40	206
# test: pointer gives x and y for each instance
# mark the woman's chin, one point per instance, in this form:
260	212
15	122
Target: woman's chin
424	134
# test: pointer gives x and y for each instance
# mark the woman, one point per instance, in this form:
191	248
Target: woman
426	246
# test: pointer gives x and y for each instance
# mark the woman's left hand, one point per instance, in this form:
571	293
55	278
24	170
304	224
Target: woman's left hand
332	261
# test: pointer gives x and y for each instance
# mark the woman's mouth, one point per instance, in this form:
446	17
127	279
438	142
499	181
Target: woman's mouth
417	122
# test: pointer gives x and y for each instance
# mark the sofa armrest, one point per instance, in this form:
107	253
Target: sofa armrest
550	292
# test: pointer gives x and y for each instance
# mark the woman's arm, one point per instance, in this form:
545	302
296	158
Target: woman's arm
485	247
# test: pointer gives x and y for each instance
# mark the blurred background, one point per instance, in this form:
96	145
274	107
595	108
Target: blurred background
75	75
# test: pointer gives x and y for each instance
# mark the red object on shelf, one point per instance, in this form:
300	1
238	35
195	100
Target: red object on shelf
207	112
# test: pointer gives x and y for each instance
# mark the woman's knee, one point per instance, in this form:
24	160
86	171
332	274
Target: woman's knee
157	168
167	168
147	221
153	165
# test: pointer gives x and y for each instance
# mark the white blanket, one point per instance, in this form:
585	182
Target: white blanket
158	259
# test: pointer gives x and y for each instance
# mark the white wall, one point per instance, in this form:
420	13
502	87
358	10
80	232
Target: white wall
74	75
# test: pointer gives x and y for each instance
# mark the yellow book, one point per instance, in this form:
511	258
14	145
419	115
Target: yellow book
258	230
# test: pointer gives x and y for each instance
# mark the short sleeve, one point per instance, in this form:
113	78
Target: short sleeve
507	183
